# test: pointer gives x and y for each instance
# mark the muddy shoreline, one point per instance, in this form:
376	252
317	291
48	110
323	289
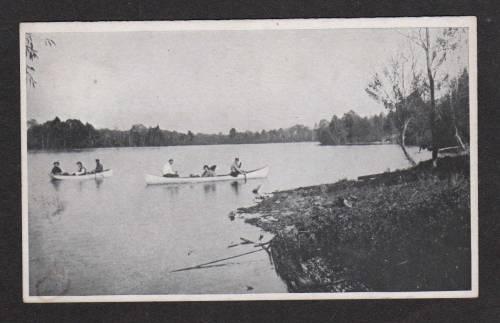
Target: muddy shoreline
406	230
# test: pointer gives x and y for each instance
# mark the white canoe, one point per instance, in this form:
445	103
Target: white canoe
105	173
257	173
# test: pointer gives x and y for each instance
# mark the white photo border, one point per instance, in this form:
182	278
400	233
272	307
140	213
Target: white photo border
266	24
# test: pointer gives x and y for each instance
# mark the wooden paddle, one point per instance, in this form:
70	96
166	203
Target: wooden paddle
244	173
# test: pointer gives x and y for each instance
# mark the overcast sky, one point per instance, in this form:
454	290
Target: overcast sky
208	81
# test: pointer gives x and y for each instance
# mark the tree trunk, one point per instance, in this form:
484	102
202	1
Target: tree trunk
454	119
459	139
433	100
402	143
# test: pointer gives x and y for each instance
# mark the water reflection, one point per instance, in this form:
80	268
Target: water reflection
172	190
55	183
98	182
236	187
210	188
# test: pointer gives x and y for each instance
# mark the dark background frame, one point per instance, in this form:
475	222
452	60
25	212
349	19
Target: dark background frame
486	308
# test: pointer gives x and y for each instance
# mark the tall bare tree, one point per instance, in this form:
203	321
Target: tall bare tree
398	88
436	49
454	92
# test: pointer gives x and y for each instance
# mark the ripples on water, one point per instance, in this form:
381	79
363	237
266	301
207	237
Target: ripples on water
119	236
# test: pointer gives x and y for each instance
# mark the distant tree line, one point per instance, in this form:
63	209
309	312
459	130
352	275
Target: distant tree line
354	129
74	134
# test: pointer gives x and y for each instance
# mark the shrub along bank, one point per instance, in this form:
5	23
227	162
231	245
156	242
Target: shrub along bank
407	230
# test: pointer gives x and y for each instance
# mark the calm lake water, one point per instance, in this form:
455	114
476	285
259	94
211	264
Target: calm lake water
119	236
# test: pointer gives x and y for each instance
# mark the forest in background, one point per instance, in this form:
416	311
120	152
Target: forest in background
452	120
350	128
74	134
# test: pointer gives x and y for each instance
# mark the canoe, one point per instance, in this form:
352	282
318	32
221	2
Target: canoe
257	173
105	173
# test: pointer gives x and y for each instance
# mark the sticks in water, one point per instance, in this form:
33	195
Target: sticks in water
204	265
263	246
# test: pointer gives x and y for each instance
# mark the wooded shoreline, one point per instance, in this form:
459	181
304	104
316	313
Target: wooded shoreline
33	150
74	134
407	230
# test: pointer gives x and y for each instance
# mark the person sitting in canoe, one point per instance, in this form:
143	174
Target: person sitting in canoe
168	170
208	171
81	170
236	168
99	168
56	170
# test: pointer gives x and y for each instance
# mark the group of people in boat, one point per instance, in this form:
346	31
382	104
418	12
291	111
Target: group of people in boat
81	170
208	171
168	169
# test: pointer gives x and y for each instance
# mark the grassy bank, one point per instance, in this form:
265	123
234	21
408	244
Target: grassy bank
401	231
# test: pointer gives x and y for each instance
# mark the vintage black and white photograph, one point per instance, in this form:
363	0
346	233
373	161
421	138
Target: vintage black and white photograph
249	159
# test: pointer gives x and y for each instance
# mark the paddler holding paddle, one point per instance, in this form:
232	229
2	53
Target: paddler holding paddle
99	168
236	168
